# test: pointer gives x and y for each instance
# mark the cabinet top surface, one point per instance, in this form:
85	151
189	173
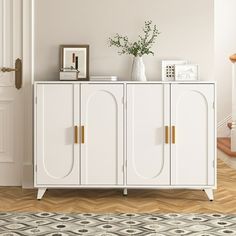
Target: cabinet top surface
125	82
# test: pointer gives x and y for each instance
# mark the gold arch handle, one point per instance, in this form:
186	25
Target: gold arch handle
82	134
166	134
76	135
173	134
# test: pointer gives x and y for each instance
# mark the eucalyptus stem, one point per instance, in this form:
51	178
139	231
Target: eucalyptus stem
139	48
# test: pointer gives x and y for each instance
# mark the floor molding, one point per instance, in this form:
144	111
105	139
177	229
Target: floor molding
28	176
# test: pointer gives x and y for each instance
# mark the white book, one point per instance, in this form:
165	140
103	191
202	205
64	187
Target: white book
103	78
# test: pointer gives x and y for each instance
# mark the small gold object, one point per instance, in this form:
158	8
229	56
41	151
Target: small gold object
76	134
166	134
173	134
82	134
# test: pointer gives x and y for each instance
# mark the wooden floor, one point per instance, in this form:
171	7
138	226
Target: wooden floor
110	201
224	144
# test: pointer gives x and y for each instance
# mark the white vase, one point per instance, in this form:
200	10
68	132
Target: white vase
138	70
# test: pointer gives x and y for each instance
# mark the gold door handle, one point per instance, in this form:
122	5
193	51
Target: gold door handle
76	135
18	72
82	134
166	134
173	134
6	69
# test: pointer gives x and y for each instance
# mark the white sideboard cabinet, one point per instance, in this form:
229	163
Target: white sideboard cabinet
143	135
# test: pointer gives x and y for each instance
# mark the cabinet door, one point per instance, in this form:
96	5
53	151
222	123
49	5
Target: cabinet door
56	154
192	151
148	155
102	123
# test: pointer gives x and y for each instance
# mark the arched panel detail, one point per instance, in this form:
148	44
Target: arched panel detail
153	175
67	170
193	118
57	155
147	154
102	117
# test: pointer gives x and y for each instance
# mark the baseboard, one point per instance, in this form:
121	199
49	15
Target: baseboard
28	176
222	128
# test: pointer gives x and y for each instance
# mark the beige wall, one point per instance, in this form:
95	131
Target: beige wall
225	45
186	26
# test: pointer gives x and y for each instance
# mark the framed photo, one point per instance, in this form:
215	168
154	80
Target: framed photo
168	69
186	72
75	58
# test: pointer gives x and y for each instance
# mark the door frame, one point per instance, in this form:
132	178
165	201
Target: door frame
28	13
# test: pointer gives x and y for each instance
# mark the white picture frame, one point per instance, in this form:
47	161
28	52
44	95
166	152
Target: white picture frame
188	72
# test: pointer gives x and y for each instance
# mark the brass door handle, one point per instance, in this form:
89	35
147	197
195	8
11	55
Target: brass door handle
18	72
6	69
167	134
173	134
76	135
82	134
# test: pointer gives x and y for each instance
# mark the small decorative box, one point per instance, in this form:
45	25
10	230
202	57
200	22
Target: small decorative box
68	75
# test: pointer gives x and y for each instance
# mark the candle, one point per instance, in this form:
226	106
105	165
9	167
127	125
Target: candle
76	63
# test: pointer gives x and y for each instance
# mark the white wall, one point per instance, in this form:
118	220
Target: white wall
187	28
225	45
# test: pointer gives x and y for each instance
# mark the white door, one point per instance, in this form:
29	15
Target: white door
148	147
11	99
57	150
193	134
102	134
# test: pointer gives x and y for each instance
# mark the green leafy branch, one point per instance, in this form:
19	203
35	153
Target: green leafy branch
139	48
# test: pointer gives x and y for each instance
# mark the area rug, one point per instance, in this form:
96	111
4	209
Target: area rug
55	224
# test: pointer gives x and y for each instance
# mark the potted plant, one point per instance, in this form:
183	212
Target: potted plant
138	48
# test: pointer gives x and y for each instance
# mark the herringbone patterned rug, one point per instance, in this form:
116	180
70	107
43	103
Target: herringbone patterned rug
55	224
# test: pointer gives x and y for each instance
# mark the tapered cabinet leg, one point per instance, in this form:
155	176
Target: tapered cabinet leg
125	192
209	193
41	192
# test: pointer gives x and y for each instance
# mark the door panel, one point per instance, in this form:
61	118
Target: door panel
11	99
148	156
57	155
10	38
192	114
102	118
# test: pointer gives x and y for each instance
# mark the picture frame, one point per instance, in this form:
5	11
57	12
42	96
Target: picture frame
189	72
168	69
75	58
